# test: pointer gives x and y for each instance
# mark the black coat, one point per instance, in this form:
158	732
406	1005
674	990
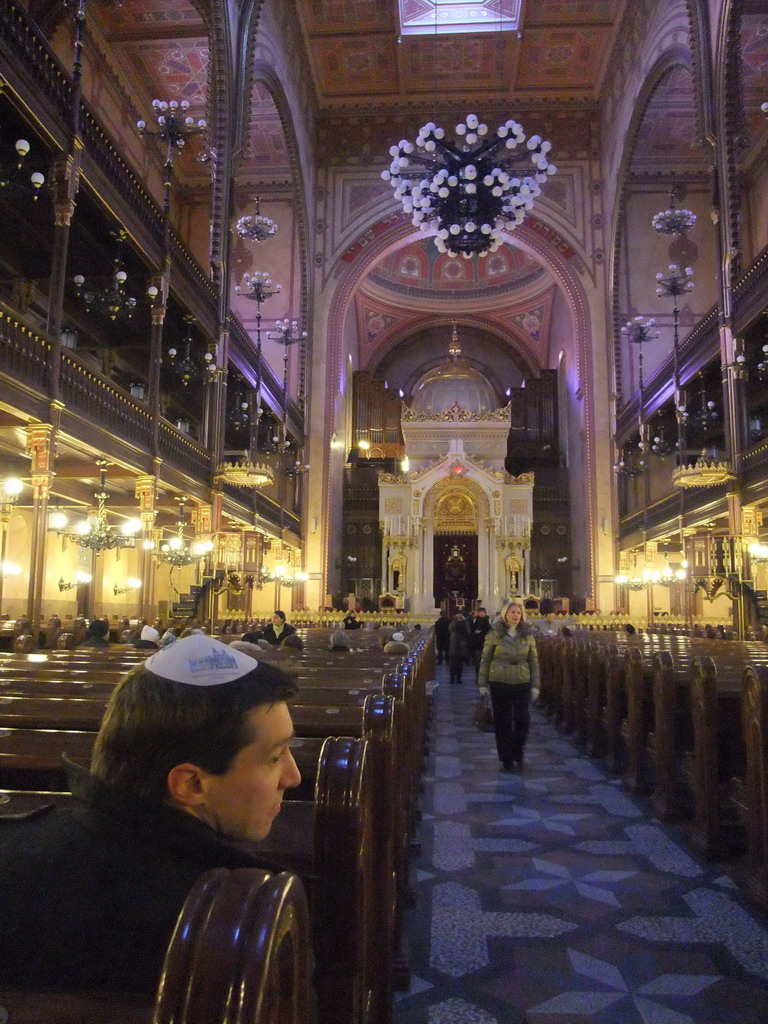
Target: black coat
478	627
90	894
269	633
442	632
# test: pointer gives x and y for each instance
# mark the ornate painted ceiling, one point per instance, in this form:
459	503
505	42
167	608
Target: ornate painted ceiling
369	76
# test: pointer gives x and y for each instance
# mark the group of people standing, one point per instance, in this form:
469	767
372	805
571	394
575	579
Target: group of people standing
503	653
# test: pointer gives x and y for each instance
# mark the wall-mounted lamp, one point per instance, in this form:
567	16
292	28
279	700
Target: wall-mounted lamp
10	569
130	584
10	489
80	578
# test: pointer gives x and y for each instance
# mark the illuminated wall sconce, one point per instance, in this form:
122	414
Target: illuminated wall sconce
130	584
80	578
9	569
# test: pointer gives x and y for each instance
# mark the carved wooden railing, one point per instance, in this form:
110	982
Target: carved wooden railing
183	452
750	293
24	355
104	406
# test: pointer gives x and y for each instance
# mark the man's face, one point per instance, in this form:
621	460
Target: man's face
243	803
277	621
482	613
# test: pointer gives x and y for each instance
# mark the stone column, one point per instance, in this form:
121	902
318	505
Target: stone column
40	449
146	495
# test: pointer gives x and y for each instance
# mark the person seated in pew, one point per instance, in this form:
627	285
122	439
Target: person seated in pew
252	636
97	635
292	642
338	641
351	620
147	639
396	644
188	773
278	628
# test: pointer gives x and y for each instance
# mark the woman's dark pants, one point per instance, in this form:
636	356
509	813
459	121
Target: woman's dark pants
511	719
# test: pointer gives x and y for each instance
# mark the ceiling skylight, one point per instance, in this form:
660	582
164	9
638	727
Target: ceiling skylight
441	17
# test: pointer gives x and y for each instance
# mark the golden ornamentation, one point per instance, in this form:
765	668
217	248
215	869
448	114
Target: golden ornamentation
245	473
702	474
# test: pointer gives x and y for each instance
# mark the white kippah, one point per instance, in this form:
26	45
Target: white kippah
149	633
399	637
200	661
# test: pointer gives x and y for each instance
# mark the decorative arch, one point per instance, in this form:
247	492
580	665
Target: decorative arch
523	346
676	57
444	486
546	243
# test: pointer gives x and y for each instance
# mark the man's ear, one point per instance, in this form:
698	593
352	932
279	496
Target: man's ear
185	785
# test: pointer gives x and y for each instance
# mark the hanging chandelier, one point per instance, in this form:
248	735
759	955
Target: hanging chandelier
469	190
113	300
256	226
245	473
673	221
94	532
177	551
190	369
630	463
706	471
285	575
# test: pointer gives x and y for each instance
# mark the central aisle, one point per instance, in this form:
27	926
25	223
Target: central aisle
554	898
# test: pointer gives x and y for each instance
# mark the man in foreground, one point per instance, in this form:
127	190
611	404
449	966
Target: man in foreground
193	755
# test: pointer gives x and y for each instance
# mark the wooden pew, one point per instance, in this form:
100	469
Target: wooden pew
240	952
749	796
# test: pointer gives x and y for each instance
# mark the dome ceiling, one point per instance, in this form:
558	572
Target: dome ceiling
420	271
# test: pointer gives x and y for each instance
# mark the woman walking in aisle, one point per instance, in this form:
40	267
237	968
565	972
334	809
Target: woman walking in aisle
509	669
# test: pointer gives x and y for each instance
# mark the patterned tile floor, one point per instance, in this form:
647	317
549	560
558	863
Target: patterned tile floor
554	898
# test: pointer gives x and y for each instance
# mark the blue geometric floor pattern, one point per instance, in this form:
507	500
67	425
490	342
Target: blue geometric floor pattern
552	897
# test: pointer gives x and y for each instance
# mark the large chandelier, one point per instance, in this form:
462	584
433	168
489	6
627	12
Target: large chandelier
470	190
704	472
245	473
94	532
285	575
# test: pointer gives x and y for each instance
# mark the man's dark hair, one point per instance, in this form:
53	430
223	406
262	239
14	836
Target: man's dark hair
278	612
152	724
98	628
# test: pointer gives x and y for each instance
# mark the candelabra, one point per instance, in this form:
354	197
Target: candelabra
629	462
174	125
188	369
12	175
762	366
674	284
113	301
468	189
660	444
287	333
258	287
